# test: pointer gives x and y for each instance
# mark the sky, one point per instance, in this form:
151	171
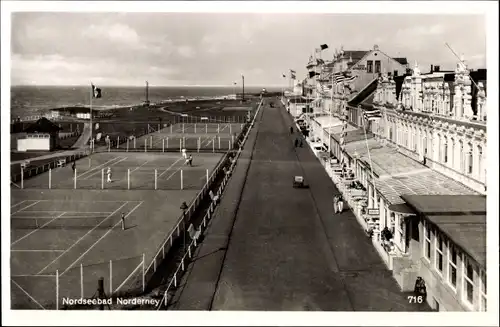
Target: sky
73	48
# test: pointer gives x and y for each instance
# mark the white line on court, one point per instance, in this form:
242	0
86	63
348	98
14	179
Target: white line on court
52	276
22	238
169	167
15	205
27	294
42	211
81	238
174	173
91	169
85	201
128	277
25	207
52	217
139	166
98	171
36	250
103	236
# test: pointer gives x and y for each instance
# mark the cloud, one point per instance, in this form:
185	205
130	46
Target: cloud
113	32
126	47
186	51
79	70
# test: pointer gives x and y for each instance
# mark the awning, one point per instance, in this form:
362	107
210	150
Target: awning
401	208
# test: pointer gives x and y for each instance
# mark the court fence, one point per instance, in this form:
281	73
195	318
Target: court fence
26	170
76	287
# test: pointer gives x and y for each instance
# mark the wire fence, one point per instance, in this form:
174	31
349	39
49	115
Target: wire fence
61	289
175	143
27	169
122	178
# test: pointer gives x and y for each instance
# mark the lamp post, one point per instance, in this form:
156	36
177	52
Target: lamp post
184	206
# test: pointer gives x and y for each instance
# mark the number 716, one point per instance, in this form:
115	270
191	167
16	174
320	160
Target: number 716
415	299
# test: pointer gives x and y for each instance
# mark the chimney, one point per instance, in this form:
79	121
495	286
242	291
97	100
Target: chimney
437	68
432	69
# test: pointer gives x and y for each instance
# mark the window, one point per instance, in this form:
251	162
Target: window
427	241
438	263
479	159
468	282
377	66
445	152
482	292
369	66
452	266
470	164
462	165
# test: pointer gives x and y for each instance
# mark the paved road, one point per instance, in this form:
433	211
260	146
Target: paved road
287	250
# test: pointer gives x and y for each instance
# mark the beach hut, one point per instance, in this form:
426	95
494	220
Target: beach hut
41	135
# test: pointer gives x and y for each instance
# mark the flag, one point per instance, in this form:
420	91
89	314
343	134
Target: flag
324	46
284	76
96	92
350	79
338	78
312	74
372	115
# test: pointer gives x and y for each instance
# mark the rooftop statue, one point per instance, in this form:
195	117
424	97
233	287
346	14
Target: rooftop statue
416	70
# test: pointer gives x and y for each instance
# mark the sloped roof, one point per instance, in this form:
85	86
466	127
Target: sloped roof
42	125
461	217
356	55
402	61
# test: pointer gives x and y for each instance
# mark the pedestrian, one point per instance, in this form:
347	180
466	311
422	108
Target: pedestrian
109	174
190	160
184	154
123	220
73	166
291	129
300	144
296	142
335	203
341	204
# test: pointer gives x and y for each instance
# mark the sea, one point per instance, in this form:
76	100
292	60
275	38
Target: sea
36	100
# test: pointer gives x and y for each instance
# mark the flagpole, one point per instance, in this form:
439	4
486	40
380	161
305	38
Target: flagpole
91	126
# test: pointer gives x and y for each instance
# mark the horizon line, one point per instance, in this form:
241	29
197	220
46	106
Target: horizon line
151	86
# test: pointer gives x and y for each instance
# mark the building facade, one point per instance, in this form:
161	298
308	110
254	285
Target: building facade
433	121
430	140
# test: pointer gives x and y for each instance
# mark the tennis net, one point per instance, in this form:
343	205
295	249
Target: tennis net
62	223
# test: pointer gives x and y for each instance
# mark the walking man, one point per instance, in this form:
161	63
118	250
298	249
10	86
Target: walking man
184	154
73	166
109	174
296	142
123	220
341	204
335	204
291	129
190	160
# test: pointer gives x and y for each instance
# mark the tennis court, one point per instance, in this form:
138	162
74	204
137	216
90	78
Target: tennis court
61	243
130	171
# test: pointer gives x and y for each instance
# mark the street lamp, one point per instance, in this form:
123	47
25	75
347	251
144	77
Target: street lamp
183	207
